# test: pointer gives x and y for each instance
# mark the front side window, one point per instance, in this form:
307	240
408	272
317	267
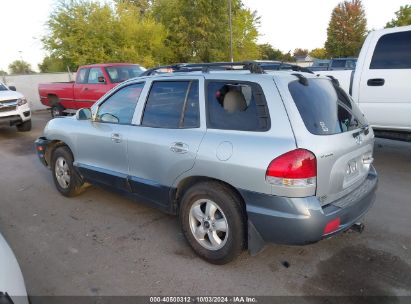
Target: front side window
325	109
3	87
172	105
236	106
393	51
119	107
94	75
81	76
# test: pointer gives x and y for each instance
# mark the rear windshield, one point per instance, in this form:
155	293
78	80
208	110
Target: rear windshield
325	108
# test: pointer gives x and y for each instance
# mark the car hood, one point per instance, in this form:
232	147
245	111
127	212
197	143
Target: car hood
11	278
7	95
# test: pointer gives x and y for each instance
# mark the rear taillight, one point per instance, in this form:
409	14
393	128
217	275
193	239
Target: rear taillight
297	168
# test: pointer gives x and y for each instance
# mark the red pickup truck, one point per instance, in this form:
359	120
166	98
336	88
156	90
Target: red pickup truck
92	82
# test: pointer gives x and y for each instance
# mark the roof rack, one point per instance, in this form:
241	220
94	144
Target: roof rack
255	67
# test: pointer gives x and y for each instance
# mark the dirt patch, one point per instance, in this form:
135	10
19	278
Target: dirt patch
360	271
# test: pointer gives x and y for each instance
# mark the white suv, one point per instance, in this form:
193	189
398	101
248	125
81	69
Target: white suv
14	109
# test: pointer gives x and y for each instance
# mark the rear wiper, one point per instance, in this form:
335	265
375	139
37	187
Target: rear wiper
364	129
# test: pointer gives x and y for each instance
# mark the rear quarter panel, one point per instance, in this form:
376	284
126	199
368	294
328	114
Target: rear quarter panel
63	90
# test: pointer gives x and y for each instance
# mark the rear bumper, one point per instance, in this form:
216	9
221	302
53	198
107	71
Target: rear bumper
298	221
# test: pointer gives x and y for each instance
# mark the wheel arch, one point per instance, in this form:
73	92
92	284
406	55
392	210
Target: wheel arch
54	100
190	181
52	146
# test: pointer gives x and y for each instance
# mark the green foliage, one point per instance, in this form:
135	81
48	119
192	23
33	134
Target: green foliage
288	57
52	64
198	31
300	52
346	30
3	73
143	6
402	17
84	32
149	32
20	67
319	53
267	52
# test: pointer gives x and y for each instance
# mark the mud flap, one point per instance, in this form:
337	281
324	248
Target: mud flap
256	244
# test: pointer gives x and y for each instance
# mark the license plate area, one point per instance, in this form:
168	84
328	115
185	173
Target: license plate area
355	169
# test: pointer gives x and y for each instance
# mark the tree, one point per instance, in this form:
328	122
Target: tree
143	6
346	30
402	17
52	64
3	73
319	53
288	57
198	31
20	67
267	52
84	32
300	52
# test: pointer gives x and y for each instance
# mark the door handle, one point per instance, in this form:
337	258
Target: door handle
85	89
376	82
179	147
115	137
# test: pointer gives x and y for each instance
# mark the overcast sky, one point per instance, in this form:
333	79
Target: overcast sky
286	24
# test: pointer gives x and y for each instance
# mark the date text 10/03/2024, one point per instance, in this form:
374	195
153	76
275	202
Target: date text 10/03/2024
206	299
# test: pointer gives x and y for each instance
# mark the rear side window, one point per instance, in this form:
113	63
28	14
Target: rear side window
393	51
236	106
325	109
172	105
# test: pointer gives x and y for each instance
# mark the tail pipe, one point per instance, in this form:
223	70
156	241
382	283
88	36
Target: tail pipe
358	227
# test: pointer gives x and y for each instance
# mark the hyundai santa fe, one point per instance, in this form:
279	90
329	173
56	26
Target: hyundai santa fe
243	157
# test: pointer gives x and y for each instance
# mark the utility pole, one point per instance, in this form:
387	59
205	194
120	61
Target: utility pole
231	31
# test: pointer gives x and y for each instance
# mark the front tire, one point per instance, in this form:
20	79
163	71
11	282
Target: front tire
66	179
24	127
213	221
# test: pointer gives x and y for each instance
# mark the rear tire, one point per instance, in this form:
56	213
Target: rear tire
24	127
57	111
66	179
213	221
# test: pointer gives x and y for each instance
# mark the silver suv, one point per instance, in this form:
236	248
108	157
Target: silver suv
243	156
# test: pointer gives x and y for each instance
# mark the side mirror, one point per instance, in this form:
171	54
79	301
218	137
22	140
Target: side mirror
101	79
12	88
83	114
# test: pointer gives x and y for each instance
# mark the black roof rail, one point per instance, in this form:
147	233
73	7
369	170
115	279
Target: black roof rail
301	79
255	67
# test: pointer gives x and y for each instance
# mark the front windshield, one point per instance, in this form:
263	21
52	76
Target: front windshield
121	73
3	87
